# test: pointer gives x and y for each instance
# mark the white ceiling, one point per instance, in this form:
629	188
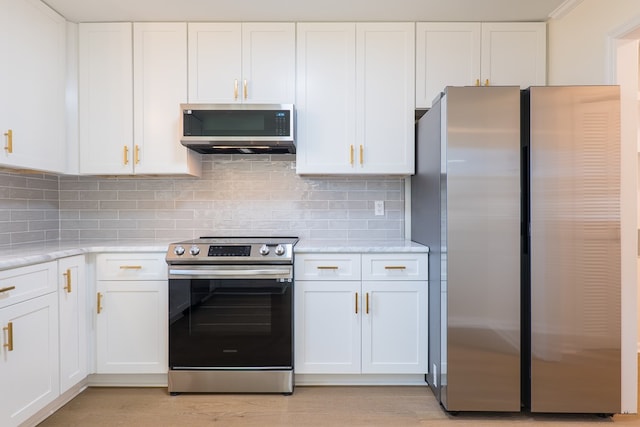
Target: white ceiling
305	10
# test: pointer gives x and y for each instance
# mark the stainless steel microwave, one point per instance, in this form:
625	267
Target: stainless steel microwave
238	128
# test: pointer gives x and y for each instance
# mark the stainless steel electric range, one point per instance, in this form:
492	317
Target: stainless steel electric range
231	315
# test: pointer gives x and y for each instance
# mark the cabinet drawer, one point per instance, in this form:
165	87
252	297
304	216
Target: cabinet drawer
23	283
394	266
327	267
128	266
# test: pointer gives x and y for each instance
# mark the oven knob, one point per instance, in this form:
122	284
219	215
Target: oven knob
279	250
264	250
179	250
194	250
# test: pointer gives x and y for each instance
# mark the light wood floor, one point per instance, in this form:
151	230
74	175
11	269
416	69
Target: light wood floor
308	406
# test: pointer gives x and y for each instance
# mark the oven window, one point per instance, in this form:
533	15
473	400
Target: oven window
230	323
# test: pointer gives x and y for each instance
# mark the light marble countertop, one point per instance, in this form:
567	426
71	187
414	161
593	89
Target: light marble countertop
35	253
360	246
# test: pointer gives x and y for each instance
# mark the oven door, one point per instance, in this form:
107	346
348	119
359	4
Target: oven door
230	317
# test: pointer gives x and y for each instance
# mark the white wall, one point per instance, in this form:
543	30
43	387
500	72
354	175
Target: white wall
578	45
582	50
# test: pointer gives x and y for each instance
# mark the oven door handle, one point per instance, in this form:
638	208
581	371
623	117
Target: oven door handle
231	274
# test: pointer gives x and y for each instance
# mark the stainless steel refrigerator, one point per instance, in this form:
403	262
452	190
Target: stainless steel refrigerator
508	183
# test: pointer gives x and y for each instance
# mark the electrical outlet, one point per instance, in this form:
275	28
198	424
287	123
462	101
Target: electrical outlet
379	207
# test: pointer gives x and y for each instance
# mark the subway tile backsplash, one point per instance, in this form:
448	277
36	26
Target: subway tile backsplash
236	195
29	208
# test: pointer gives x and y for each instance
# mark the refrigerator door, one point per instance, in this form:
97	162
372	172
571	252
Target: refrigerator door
575	249
481	278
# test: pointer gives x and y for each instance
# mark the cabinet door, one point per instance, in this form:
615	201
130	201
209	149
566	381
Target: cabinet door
159	86
325	98
131	327
72	299
447	54
268	62
514	54
32	83
327	327
29	367
385	98
215	73
105	98
394	327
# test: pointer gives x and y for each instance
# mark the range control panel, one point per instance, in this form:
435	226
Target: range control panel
206	253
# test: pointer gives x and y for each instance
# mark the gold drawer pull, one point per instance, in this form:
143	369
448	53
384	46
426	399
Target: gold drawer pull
99	304
131	267
395	267
356	303
9	329
7	289
327	267
9	147
367	295
67	277
136	155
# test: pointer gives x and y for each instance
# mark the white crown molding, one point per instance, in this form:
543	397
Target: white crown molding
564	8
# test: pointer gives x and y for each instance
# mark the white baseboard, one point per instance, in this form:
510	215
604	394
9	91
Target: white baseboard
359	380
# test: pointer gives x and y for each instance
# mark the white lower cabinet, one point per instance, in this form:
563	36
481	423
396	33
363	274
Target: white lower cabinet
347	325
29	358
131	311
72	300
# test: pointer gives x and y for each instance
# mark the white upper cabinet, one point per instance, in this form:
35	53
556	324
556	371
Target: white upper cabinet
472	53
132	80
248	62
32	84
385	96
447	54
159	87
514	54
326	97
355	98
105	98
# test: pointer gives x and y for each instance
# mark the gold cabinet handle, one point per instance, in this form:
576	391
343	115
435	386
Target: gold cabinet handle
367	301
67	277
9	147
395	267
361	154
245	90
351	154
126	155
356	303
131	267
9	343
486	82
235	89
477	82
7	289
327	267
136	155
99	303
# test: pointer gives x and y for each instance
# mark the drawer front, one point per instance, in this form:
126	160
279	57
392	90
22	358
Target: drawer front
129	266
23	283
394	266
327	267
